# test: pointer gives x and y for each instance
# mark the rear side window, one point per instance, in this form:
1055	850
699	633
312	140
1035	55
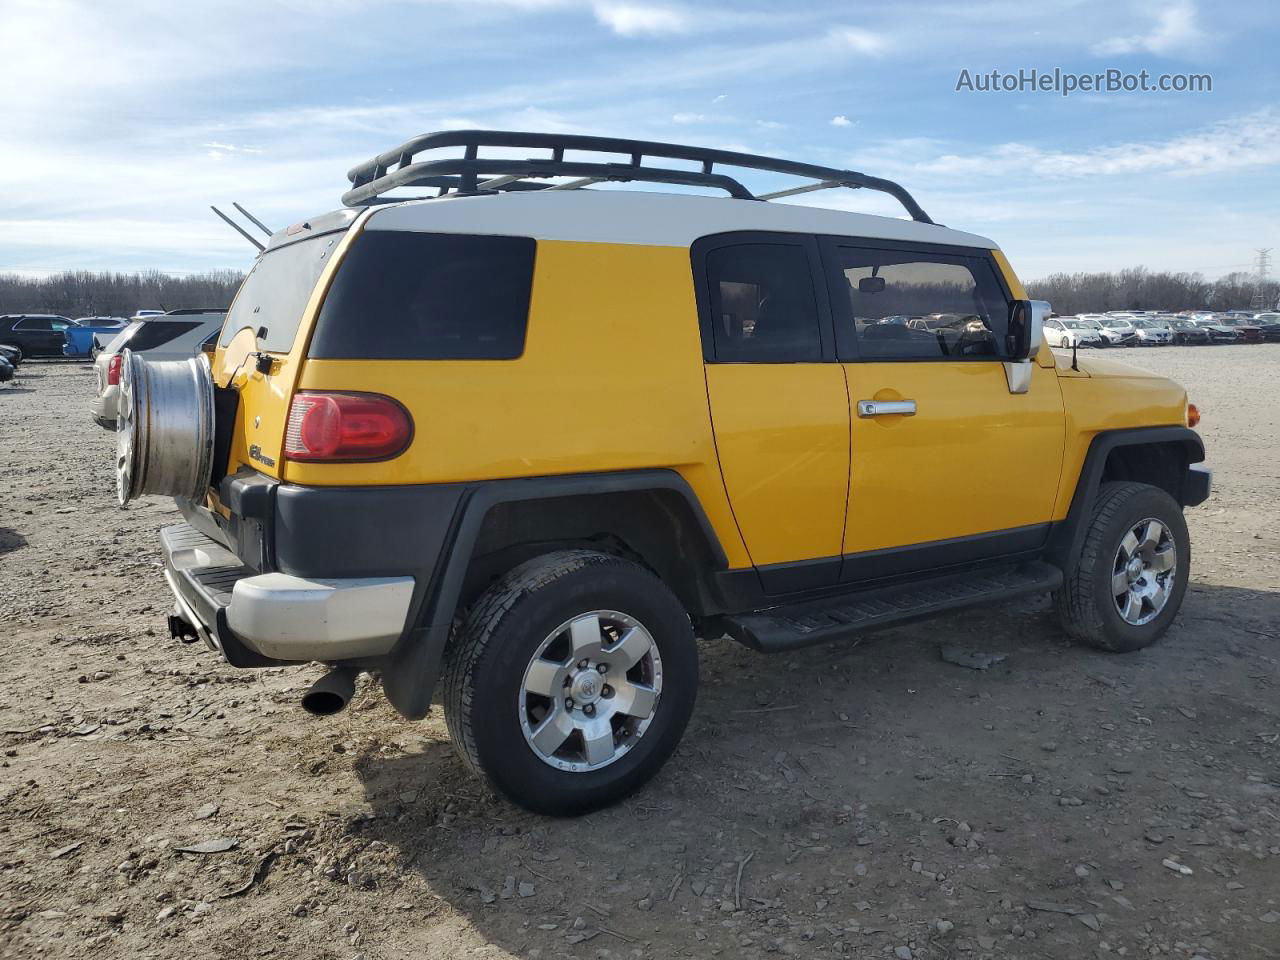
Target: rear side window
763	305
275	293
156	334
403	295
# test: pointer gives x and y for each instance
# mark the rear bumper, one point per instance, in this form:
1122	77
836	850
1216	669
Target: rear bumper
256	618
106	407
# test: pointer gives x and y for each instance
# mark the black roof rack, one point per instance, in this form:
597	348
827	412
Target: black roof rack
471	174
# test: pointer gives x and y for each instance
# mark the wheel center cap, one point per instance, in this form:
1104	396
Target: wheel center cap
1134	569
586	687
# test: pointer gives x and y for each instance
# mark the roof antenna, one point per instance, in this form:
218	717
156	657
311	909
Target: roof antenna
1075	345
237	228
254	220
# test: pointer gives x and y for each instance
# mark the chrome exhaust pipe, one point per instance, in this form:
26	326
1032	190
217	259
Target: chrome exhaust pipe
331	693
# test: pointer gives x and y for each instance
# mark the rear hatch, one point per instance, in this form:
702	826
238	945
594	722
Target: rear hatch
263	342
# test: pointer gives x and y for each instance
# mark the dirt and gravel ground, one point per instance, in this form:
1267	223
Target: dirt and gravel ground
864	801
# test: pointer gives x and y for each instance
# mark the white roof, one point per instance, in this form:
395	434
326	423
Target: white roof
644	217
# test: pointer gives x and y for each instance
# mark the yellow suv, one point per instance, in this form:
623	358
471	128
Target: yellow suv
517	443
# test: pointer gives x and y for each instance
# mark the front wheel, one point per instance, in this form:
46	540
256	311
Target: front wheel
571	681
1132	572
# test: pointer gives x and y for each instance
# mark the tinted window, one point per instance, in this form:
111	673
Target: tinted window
157	333
913	305
275	293
428	296
34	323
763	305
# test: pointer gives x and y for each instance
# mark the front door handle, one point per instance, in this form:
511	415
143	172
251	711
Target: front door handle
885	408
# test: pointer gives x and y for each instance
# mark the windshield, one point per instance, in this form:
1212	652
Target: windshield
275	293
1120	324
1075	324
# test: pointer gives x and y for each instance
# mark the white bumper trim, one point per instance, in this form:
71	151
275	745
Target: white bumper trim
292	618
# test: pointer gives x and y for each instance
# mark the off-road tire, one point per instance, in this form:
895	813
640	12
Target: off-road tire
1085	604
490	651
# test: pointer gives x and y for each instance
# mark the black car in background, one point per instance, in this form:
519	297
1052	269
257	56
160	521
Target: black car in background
1184	331
35	334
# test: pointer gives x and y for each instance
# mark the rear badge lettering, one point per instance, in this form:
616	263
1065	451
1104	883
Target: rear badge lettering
255	453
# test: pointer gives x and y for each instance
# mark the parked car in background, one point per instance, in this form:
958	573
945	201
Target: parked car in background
1123	327
101	329
1218	333
1247	330
143	314
1269	325
1110	338
1185	332
11	354
1152	333
6	370
35	334
171	336
1068	331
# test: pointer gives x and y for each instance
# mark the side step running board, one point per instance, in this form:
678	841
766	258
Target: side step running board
832	618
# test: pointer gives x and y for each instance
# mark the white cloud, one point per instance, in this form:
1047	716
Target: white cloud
638	19
689	118
1240	143
770	125
860	41
841	121
1175	30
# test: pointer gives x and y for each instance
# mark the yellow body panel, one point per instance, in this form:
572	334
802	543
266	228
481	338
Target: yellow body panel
611	379
1110	395
974	458
782	431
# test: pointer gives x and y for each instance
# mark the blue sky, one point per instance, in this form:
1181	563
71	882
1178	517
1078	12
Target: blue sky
123	121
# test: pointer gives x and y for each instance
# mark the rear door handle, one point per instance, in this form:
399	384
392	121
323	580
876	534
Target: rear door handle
885	408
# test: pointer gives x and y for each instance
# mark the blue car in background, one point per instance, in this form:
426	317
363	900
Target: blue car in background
80	335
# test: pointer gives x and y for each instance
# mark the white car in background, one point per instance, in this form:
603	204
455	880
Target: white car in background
1110	338
1122	327
1152	333
1070	331
170	336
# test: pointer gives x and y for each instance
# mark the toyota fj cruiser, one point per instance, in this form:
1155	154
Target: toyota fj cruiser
516	444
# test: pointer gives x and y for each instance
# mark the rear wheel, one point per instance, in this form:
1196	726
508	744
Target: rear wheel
571	681
1132	572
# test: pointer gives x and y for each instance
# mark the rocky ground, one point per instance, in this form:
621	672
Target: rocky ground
868	800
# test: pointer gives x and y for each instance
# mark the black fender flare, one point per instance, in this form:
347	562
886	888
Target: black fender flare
410	671
1068	536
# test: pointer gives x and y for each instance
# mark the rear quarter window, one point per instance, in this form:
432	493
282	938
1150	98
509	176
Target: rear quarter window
402	295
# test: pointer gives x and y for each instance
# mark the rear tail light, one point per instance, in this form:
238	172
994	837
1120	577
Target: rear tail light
346	426
113	369
1193	415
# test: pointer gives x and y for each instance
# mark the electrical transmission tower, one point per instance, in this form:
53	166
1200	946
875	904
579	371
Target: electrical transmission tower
1262	269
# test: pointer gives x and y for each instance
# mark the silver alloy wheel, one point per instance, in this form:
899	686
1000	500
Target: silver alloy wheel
1143	573
590	691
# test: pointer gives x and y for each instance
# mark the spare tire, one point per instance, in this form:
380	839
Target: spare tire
164	428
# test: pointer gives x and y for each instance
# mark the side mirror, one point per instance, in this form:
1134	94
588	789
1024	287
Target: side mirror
1026	328
871	285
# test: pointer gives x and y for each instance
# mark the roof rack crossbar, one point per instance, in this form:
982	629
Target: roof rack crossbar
575	184
468	172
805	188
375	177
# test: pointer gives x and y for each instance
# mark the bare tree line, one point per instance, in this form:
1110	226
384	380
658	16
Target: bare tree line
1137	288
80	293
